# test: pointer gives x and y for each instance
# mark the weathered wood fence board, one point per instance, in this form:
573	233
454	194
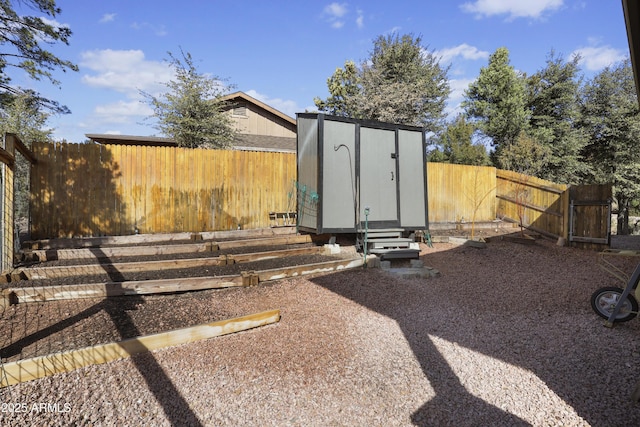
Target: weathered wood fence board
590	215
460	193
95	190
540	205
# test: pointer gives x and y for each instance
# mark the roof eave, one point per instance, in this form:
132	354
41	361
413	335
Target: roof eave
631	10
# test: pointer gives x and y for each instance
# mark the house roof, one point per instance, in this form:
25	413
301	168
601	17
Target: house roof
243	96
631	10
264	143
241	142
103	138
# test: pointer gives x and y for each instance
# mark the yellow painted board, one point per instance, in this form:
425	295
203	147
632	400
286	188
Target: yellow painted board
39	367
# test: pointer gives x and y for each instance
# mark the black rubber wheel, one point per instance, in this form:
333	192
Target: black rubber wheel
604	300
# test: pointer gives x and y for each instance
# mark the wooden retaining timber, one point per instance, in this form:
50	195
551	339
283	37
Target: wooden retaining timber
261	256
109	252
101	253
303	270
113	289
19	295
39	367
136	239
280	240
33	273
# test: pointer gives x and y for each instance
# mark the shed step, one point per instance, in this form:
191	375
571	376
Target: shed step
390	243
382	233
361	230
403	253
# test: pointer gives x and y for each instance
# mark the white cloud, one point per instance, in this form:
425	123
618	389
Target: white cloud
122	111
360	20
125	71
393	30
107	17
335	12
158	30
595	58
457	86
514	9
288	107
464	50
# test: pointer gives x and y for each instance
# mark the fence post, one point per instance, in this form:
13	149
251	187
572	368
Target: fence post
6	229
566	214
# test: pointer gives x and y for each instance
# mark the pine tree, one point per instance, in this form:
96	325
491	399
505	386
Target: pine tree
553	102
22	40
496	101
611	119
455	145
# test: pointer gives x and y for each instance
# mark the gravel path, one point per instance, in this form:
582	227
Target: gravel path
505	337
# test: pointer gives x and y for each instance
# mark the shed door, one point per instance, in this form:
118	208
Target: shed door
379	176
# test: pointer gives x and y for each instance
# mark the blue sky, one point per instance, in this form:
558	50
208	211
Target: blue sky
282	52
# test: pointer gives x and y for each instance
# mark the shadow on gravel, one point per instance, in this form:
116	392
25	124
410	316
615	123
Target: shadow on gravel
175	407
452	404
567	337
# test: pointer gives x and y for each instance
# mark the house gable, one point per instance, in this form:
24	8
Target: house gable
259	128
253	117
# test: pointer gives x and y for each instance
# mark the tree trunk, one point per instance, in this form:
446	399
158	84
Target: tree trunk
623	217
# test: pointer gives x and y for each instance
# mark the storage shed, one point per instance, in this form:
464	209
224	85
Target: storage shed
346	166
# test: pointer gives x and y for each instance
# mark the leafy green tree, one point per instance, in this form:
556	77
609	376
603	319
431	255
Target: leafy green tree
401	82
455	145
22	40
611	120
496	101
553	102
24	117
192	111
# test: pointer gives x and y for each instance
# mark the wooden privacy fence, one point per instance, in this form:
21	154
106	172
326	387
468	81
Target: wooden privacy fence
95	190
461	193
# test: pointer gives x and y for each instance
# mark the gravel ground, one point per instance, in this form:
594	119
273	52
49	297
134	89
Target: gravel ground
505	336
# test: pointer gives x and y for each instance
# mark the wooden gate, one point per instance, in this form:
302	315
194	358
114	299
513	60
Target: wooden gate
590	215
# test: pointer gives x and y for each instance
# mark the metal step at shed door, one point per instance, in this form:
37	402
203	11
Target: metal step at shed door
388	243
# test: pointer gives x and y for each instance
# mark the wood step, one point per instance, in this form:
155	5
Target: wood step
372	234
389	243
381	230
403	253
